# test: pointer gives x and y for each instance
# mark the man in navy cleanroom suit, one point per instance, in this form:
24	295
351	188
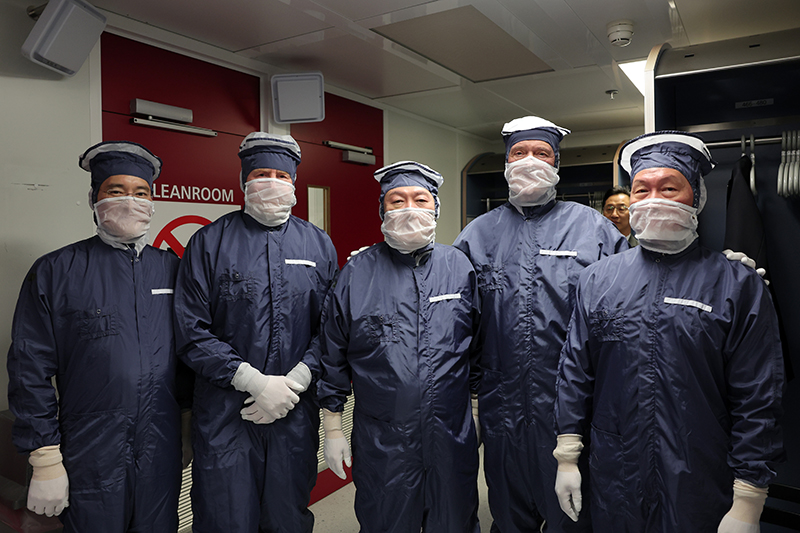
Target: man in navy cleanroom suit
97	315
399	323
672	367
528	254
247	304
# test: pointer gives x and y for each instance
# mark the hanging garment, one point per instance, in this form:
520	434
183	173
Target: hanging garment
744	230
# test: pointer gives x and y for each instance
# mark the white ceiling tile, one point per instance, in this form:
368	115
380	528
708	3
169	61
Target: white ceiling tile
560	93
355	65
362	9
232	25
461	107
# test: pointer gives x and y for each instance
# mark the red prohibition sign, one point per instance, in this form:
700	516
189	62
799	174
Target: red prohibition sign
166	236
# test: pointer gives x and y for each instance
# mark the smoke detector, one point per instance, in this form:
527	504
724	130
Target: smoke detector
620	32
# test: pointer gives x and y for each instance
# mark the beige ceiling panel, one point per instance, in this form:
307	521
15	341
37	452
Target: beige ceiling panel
489	131
457	107
563	92
467	42
604	126
355	65
231	25
602	120
362	9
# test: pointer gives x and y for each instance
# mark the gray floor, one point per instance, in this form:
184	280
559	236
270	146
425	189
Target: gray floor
334	514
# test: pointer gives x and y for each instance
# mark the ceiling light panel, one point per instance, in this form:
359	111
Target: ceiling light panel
466	42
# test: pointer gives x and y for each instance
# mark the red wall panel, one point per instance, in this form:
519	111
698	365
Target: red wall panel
196	169
220	98
347	122
353	190
228	102
353	197
205	168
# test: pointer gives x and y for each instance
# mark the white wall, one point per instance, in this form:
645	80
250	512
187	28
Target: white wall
46	124
48	121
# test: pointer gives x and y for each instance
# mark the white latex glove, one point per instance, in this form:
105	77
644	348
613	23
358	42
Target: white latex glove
301	375
474	399
742	258
743	517
273	394
252	412
568	476
48	492
336	448
356	252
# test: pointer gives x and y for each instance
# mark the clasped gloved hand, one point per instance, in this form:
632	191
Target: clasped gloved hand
568	476
301	375
743	258
743	517
272	397
336	448
48	492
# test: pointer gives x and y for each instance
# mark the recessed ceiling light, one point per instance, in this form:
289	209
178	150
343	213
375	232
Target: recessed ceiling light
635	72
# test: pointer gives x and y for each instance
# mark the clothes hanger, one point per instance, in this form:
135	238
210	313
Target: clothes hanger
795	185
791	168
753	165
782	166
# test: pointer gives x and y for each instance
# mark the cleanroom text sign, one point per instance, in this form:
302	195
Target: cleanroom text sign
192	193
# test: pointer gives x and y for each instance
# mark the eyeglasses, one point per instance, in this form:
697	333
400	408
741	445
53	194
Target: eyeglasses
622	209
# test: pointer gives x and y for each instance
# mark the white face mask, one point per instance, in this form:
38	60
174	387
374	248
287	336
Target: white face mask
664	225
409	229
123	219
269	200
531	181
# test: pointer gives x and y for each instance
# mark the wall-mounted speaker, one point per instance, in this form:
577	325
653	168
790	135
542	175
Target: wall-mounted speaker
64	35
298	97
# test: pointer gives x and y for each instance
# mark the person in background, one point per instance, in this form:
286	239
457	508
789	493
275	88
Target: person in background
399	324
248	299
616	202
674	371
105	442
528	254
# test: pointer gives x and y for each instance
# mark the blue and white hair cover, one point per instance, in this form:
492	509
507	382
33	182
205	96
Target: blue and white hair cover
266	150
112	158
677	150
533	129
409	173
